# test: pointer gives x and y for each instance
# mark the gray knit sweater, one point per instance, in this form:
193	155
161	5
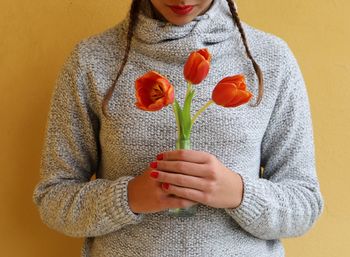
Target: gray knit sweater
277	135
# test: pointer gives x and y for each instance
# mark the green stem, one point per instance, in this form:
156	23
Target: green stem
186	121
177	121
189	88
201	110
183	143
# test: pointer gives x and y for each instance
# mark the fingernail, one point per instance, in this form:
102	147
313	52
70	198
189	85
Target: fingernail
160	157
154	174
153	165
165	186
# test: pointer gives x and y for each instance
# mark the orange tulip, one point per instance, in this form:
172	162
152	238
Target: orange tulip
197	66
231	92
153	92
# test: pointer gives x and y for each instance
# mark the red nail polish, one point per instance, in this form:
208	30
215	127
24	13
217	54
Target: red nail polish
154	174
165	186
153	165
160	157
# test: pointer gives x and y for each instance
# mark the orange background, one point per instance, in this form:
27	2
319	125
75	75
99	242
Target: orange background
36	37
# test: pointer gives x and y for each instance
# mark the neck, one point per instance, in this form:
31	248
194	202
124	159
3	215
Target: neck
213	29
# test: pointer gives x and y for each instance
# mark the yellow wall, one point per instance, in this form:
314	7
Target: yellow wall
36	37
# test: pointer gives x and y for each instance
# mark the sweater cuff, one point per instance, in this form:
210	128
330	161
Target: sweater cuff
119	209
253	203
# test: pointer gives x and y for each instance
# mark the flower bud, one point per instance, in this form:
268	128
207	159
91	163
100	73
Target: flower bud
231	92
197	66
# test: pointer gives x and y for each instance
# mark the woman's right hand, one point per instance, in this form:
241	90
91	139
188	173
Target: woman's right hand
145	195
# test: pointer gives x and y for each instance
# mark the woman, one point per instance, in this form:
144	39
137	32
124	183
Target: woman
252	170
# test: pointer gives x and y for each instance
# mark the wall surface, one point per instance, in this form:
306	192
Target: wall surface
36	37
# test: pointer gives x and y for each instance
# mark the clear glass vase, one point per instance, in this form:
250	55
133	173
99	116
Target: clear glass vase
190	211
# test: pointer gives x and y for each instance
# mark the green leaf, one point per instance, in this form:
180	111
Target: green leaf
179	118
186	114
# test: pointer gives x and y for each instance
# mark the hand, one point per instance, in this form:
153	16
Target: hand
199	177
146	196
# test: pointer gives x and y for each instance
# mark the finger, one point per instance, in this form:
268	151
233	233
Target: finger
180	180
186	193
185	155
188	168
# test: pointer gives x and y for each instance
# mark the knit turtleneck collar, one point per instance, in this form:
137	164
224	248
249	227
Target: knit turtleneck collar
163	40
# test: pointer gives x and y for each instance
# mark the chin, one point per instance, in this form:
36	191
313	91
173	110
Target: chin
179	22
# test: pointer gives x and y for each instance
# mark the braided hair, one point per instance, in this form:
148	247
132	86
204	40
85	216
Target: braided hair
257	69
133	18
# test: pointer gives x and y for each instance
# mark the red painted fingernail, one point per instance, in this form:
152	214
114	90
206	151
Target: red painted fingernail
154	174
160	157
153	165
165	186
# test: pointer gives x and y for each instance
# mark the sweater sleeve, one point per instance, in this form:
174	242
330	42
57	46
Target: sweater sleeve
286	200
66	198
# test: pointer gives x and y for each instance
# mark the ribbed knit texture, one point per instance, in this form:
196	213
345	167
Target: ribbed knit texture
276	135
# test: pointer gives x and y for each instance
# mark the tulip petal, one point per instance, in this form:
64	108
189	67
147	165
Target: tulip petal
240	82
143	93
241	98
157	105
194	62
188	65
170	96
205	53
202	72
222	93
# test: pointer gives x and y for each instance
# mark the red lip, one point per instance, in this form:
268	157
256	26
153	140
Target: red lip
181	9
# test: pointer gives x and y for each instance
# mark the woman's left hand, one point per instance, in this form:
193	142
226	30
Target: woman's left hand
198	176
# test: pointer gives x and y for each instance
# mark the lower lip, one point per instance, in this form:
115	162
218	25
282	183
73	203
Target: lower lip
183	10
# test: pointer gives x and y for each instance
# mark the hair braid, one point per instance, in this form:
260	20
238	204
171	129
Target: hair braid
133	18
257	69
